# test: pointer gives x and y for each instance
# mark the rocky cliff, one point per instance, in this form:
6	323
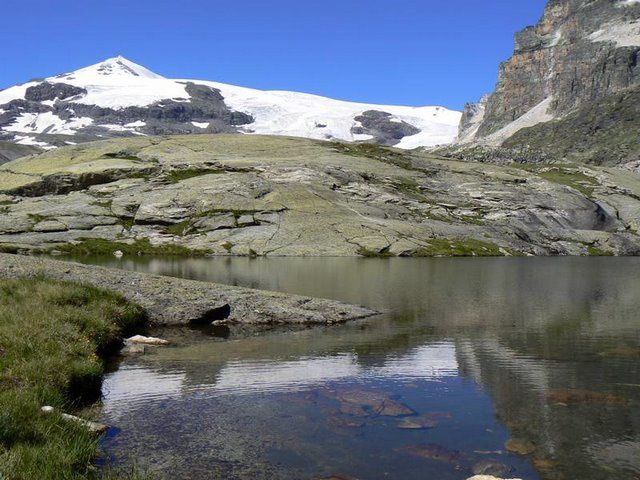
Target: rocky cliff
579	55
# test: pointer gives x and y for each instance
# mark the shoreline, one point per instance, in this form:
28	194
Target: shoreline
175	301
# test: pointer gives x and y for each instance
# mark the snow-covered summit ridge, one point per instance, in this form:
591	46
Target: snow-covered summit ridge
110	69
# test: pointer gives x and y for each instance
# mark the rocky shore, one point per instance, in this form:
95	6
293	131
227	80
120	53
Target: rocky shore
173	301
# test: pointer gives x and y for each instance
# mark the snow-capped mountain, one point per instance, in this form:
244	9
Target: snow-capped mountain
118	97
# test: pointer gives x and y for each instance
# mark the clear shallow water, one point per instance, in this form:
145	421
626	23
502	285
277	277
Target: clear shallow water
475	351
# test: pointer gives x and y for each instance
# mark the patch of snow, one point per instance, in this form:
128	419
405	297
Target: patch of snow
202	125
362	137
49	103
15	93
47	123
113	127
538	114
626	3
26	140
139	123
625	34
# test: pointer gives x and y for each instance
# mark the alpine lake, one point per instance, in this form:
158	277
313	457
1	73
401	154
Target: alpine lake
523	368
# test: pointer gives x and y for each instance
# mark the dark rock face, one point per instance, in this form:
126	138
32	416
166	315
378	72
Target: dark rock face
166	117
579	52
381	126
51	91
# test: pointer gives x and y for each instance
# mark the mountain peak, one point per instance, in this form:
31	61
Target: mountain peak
114	67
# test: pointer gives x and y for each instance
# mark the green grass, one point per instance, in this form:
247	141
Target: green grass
598	252
53	339
571	178
382	154
384	253
178	229
470	247
98	246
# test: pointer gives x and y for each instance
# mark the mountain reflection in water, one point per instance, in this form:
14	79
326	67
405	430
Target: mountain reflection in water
471	353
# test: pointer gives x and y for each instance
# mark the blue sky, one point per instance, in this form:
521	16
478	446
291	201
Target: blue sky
411	52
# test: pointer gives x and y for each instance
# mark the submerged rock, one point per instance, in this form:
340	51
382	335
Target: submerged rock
520	446
363	403
571	396
133	349
435	452
492	467
417	423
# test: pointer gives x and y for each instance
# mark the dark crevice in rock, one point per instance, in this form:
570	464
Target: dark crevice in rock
63	183
213	315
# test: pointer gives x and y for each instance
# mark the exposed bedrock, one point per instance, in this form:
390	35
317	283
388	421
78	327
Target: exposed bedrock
205	112
382	127
278	196
52	91
173	301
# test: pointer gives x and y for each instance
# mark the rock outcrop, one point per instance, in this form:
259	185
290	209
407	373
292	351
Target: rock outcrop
580	55
278	196
174	301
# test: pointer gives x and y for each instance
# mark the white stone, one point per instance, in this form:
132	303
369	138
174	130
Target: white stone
490	477
140	339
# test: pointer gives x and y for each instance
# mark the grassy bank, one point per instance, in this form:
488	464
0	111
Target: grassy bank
53	339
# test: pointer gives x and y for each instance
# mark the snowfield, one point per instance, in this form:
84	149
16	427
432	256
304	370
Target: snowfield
118	83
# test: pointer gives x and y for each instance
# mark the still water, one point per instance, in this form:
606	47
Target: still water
523	368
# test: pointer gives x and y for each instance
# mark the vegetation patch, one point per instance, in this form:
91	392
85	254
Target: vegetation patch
459	248
598	252
99	246
410	188
381	154
36	217
176	176
53	339
178	229
571	178
366	252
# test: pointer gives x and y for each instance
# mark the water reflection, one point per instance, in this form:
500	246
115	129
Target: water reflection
543	351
